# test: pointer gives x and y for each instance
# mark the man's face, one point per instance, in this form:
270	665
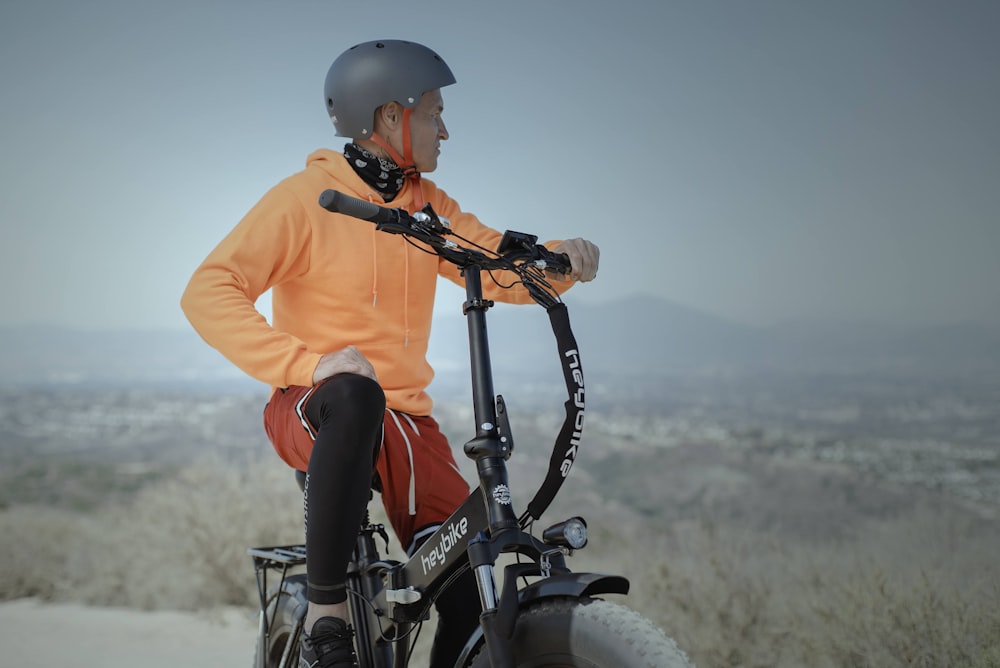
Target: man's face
427	130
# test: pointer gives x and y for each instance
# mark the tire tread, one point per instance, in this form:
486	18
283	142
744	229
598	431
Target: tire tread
644	643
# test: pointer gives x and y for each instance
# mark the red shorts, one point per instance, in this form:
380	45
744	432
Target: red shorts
421	484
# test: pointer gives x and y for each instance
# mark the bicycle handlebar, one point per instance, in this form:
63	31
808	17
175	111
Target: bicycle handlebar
337	202
425	226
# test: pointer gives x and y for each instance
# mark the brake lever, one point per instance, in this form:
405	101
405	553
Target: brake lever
433	222
394	227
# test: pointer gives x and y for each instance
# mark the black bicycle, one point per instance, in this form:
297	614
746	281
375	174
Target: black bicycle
543	615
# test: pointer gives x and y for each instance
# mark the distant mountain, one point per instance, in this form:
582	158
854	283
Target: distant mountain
632	337
41	354
646	336
962	348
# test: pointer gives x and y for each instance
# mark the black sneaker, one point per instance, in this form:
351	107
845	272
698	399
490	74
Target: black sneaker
330	645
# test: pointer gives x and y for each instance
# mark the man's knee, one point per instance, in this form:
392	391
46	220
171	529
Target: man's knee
347	395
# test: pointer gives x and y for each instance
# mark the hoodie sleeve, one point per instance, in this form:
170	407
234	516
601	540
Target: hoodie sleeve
469	227
270	245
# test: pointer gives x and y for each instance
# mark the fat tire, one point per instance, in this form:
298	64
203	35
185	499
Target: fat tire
586	633
285	610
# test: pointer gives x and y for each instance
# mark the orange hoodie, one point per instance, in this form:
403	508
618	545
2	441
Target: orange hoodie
335	282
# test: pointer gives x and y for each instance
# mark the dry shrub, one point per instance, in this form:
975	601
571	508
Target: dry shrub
924	591
723	596
180	544
916	591
873	622
38	549
187	537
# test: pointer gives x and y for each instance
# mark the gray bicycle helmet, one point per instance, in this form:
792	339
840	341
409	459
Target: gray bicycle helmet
370	74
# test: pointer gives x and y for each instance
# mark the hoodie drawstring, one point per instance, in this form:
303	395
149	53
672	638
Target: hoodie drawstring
406	279
371	199
406	296
374	268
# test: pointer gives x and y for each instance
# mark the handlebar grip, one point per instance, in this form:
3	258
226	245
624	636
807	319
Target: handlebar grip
565	266
335	201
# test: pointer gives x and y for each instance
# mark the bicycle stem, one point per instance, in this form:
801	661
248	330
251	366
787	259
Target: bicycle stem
475	308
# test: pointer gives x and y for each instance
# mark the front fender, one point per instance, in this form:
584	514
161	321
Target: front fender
575	585
562	585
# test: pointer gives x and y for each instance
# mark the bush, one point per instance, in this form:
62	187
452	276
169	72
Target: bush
917	590
180	544
873	622
738	599
38	551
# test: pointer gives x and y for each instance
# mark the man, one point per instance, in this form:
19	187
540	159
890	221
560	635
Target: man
346	352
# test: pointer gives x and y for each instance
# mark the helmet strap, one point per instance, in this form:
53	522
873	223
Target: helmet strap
405	161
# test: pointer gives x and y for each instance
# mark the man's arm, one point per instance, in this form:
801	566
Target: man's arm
267	246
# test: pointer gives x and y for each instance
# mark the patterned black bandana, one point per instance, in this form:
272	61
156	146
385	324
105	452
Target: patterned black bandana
383	175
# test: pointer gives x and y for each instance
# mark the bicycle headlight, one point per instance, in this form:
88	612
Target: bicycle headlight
572	533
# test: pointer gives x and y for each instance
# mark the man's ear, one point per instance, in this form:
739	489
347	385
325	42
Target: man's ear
389	115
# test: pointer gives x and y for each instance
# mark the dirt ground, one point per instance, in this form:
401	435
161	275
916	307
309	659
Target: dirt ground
42	635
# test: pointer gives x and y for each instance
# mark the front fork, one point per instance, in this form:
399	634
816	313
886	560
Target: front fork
500	610
482	560
555	580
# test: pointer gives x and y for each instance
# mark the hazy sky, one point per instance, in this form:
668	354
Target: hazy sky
762	161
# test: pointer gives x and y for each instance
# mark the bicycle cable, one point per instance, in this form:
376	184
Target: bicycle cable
527	272
381	630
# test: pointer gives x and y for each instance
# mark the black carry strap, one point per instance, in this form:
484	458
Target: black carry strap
567	442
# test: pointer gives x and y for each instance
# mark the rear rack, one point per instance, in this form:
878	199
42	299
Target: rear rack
281	558
277	557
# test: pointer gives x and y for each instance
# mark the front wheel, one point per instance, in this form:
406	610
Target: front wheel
586	633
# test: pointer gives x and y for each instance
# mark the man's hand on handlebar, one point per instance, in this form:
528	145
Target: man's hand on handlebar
584	257
347	360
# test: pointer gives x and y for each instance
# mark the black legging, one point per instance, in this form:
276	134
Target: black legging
347	411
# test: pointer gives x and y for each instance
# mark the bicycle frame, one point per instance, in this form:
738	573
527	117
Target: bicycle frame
477	533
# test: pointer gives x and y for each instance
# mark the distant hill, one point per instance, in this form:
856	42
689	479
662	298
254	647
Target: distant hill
642	336
628	338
